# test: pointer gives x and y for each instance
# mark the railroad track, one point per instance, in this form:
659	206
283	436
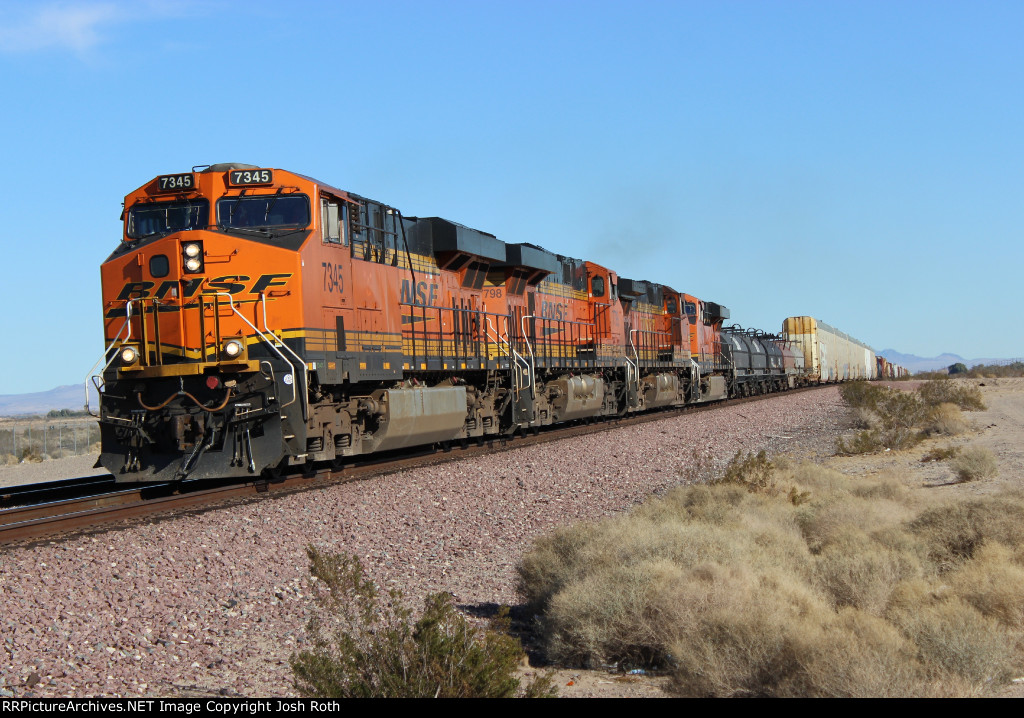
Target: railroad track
116	503
44	492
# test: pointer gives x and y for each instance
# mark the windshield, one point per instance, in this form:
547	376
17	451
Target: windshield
262	211
160	217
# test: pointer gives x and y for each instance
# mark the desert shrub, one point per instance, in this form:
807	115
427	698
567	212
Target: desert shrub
617	615
982	371
885	487
974	463
31	456
862	573
898	414
553	563
947	391
755	472
954	532
744	636
946	419
940	453
862	394
901	412
866	419
953	636
601	598
856	655
740	592
366	646
699	467
992	583
774	638
841	519
863	442
892	419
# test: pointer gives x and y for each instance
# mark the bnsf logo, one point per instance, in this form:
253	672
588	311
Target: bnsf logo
554	310
230	284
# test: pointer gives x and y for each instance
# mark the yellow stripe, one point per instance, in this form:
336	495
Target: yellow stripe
561	290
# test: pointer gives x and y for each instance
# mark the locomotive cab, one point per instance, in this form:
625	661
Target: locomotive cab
196	382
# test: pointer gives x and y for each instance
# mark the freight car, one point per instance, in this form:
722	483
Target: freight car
257	319
829	354
758	363
889	370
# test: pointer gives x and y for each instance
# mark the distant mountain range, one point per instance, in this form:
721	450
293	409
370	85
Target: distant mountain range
915	363
40	402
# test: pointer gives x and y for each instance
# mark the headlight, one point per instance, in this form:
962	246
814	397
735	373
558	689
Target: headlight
129	355
192	253
232	348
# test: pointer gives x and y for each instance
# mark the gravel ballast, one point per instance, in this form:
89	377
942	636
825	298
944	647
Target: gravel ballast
215	603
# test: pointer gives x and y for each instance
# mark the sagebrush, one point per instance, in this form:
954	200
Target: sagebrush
973	463
894	419
735	589
367	645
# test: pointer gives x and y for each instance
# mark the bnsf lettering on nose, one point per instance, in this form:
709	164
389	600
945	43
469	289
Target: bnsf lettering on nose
230	284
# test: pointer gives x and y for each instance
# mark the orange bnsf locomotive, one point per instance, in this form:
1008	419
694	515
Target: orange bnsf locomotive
257	319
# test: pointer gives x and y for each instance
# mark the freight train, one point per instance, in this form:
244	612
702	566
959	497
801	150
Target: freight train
256	319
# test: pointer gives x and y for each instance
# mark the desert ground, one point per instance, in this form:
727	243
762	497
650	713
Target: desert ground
1000	428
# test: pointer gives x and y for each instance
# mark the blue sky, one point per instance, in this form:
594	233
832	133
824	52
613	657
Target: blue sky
862	162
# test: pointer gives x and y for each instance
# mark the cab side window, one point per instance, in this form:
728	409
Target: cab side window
691	312
333	221
597	286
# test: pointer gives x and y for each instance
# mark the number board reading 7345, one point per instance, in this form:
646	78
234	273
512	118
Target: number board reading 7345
250	177
176	183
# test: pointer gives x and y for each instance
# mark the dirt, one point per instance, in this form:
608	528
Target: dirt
32	472
1000	428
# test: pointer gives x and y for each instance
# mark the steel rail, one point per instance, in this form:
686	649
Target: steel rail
41	492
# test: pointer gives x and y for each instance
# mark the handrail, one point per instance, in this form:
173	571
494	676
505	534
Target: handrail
511	351
695	379
533	360
635	366
117	338
266	335
271	343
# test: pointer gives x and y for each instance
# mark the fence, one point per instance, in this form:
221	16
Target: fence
47	440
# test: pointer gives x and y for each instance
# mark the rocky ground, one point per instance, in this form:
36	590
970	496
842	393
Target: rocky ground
215	603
